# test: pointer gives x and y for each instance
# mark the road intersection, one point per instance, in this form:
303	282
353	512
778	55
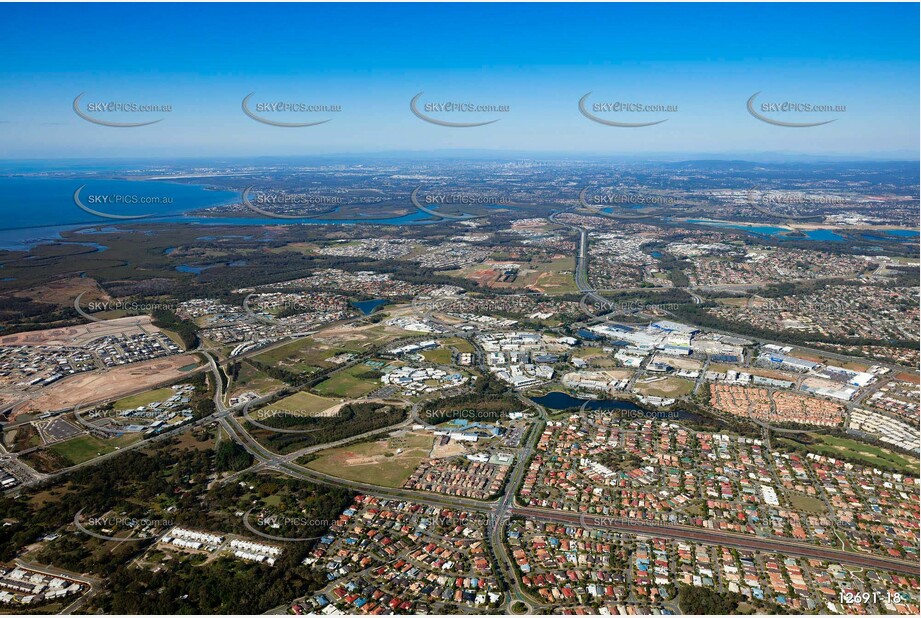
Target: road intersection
501	509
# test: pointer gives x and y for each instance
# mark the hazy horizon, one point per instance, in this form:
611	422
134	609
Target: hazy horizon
465	153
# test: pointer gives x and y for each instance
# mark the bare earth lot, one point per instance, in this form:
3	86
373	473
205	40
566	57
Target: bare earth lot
97	386
82	333
62	292
387	462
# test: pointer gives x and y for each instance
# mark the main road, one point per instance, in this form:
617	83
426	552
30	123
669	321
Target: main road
500	510
281	463
581	270
716	537
506	506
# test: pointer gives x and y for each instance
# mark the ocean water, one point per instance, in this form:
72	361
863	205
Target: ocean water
35	210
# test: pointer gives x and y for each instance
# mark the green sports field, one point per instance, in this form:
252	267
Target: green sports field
304	403
348	383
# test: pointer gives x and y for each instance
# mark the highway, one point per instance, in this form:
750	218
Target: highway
581	270
506	506
503	508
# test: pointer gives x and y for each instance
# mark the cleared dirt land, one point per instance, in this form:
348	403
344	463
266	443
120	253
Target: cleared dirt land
365	335
82	333
97	386
551	277
678	362
376	462
62	292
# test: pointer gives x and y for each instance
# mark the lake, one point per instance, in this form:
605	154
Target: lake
368	306
823	235
894	235
781	233
197	269
764	230
557	400
903	233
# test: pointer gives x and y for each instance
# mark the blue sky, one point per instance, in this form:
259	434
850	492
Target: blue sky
538	59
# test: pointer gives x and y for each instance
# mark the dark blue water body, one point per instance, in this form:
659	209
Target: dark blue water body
656	254
614	209
764	230
168	250
368	306
108	229
37	209
823	235
556	400
781	233
414	218
225	236
24	239
197	269
893	235
904	233
29	203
